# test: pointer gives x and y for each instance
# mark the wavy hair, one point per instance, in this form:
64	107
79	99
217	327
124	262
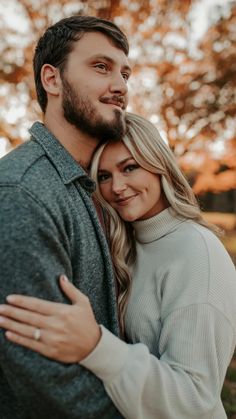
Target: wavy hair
149	150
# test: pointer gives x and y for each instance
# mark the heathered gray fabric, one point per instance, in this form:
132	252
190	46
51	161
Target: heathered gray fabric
49	226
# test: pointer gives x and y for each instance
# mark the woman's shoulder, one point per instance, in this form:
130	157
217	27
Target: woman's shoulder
203	267
196	245
191	236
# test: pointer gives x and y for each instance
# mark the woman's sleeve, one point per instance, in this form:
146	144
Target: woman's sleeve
196	346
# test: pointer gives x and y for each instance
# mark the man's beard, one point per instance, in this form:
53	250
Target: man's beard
81	113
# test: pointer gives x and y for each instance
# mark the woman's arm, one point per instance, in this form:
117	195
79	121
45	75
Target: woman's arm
186	381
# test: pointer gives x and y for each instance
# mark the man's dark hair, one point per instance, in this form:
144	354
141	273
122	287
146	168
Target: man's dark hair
57	42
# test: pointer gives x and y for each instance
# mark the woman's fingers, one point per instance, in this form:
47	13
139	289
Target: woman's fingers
45	349
34	304
19	328
49	343
22	316
48	308
70	290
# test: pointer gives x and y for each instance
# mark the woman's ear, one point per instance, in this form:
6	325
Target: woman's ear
51	79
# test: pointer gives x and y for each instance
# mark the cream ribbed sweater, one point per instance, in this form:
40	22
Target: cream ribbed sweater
183	309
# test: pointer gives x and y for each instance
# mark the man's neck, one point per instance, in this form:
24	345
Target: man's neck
78	144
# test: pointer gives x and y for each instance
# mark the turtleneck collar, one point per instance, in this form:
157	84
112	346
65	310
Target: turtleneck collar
156	227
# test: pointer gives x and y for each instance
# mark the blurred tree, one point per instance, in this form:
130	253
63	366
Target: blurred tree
184	83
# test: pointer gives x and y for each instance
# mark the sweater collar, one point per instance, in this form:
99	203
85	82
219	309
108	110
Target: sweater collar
156	227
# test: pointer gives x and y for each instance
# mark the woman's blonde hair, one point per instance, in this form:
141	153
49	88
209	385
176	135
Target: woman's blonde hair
150	151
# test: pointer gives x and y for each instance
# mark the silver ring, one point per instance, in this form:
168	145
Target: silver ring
37	334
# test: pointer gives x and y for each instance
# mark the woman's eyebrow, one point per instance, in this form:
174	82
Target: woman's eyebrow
118	164
125	160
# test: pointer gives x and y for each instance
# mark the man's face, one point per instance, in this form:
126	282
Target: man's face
95	95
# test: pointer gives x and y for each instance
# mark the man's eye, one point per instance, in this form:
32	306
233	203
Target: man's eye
125	76
101	66
103	177
130	168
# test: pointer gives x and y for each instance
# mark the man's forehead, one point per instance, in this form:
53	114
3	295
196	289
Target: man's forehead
93	44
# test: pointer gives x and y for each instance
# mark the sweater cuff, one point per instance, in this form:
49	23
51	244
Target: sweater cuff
108	357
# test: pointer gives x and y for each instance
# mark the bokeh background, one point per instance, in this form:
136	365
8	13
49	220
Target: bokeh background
183	55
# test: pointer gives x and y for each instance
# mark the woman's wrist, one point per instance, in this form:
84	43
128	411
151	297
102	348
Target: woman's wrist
108	357
95	339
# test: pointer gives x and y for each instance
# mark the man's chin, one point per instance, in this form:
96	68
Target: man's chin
115	114
111	129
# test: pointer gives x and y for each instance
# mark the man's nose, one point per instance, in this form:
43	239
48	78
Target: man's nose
119	84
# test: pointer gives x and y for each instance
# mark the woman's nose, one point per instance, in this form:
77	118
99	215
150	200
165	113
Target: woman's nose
118	184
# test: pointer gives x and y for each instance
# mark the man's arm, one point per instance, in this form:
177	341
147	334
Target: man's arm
33	255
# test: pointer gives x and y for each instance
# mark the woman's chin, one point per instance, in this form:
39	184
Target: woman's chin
129	218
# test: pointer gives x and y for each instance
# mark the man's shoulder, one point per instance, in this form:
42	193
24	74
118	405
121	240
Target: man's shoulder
27	171
16	164
28	166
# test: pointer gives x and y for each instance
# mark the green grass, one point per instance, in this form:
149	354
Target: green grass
229	393
227	222
229	389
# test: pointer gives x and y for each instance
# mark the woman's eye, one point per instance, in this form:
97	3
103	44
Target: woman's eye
130	168
103	177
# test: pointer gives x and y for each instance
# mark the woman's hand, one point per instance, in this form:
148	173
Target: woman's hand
66	333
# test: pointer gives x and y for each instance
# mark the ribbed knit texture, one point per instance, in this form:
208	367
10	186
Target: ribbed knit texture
182	308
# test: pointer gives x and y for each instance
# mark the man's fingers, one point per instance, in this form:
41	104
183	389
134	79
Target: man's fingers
34	304
70	290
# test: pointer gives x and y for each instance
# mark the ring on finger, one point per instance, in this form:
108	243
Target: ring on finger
37	334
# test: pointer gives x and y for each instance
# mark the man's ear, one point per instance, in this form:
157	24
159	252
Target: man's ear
51	79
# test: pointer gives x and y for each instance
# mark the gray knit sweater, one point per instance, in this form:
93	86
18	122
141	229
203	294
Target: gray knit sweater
49	226
183	309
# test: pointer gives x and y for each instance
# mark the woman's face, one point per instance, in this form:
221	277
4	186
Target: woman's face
134	192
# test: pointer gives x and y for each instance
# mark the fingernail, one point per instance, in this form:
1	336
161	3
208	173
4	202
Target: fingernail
10	299
64	278
2	319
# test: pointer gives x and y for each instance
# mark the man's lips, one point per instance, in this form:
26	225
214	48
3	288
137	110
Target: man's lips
114	103
117	101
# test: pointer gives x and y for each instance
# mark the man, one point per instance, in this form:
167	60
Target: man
49	224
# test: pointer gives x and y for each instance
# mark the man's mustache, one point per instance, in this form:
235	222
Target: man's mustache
115	100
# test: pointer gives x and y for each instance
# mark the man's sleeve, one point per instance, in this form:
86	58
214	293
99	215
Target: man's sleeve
33	254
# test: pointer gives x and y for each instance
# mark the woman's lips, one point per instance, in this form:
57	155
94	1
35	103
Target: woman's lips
125	201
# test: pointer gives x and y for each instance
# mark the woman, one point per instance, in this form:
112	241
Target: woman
178	312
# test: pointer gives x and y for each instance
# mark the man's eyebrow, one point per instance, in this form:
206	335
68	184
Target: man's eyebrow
110	60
